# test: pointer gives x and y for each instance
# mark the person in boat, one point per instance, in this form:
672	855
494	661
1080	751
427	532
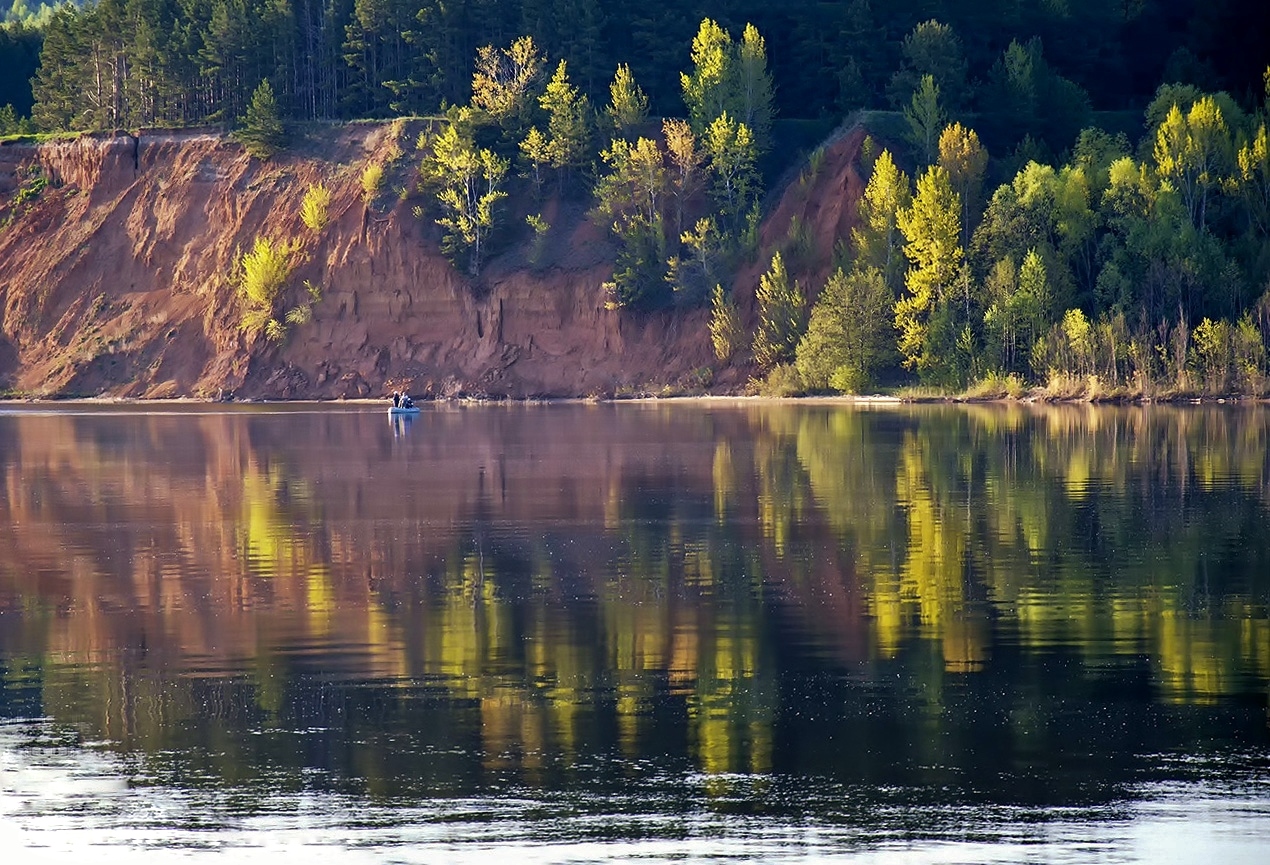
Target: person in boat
406	401
396	399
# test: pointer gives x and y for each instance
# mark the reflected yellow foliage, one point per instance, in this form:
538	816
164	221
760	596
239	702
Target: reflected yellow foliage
973	490
319	599
542	597
1078	473
270	540
730	709
725	481
964	645
1193	665
684	653
699	566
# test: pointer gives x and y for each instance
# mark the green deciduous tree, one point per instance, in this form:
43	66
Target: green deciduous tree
1253	160
1045	211
506	83
1191	150
314	210
262	274
468	182
1249	351
1076	226
1094	152
630	197
687	165
851	333
1184	96
1154	258
1079	336
635	183
733	155
1018	300
965	160
638	281
535	150
692	271
730	78
1211	344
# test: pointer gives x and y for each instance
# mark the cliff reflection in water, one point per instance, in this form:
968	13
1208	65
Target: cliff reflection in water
484	591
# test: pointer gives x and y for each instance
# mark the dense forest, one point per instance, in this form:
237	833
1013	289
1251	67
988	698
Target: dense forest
124	63
1062	187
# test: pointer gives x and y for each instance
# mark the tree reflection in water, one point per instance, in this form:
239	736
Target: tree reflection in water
1022	602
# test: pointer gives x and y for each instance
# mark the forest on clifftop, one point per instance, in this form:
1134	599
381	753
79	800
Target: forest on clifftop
190	61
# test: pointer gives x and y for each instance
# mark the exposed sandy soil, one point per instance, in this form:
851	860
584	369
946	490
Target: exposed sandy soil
118	280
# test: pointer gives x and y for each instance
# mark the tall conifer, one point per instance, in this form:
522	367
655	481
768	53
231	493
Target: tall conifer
262	133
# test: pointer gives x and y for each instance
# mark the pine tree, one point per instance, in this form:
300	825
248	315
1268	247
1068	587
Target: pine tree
628	105
8	120
931	226
726	333
877	238
57	87
580	40
262	133
859	55
926	119
753	87
707	91
782	315
568	123
932	49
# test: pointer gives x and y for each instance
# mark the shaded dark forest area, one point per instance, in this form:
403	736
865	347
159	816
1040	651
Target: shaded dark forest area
124	63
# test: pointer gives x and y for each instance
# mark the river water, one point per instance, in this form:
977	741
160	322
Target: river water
697	632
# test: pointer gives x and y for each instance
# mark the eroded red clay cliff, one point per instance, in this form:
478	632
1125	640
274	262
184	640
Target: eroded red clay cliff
119	280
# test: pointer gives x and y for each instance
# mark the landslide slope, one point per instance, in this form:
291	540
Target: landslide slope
118	279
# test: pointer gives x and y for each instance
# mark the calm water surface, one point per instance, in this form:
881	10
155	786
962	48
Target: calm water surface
638	633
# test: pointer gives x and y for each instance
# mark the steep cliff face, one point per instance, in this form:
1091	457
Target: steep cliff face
118	279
